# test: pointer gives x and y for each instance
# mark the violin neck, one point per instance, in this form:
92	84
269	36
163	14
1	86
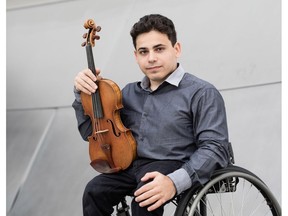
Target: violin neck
96	100
90	59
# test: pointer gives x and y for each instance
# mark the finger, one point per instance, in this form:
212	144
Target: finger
99	77
156	205
84	90
145	192
149	175
149	199
148	186
97	71
142	190
87	72
85	84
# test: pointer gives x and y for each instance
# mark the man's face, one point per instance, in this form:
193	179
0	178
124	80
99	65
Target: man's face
156	56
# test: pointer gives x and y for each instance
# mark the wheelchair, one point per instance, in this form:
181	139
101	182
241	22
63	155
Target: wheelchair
230	191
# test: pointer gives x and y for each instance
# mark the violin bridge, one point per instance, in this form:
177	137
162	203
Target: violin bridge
101	131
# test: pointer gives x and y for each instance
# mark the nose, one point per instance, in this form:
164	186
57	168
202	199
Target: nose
152	57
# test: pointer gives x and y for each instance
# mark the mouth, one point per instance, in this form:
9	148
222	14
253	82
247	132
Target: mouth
153	68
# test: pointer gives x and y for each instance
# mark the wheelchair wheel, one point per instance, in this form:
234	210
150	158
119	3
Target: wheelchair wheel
231	191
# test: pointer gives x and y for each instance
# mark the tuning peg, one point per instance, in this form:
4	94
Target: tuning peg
83	44
85	35
96	37
98	28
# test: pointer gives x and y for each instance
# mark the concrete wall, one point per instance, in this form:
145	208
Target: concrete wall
236	45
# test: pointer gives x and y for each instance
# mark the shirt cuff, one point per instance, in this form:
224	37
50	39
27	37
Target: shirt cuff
77	95
181	180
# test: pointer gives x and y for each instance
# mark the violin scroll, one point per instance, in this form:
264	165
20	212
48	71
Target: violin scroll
91	36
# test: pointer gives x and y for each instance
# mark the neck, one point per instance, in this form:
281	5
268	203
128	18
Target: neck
154	85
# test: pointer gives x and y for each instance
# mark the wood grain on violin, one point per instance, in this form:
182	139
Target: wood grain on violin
112	146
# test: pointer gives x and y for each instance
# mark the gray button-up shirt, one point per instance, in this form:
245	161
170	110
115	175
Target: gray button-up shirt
183	119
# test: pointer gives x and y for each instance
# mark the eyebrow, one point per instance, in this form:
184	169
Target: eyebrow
154	47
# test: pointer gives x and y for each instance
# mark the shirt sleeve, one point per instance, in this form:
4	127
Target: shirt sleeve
210	127
83	121
181	180
77	95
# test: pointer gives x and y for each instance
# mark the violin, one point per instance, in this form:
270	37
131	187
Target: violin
112	147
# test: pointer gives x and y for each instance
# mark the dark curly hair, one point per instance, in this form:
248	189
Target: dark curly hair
154	22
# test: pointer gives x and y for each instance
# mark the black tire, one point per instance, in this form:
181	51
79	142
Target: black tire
231	191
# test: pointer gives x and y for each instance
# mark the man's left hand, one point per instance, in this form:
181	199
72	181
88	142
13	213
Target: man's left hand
156	192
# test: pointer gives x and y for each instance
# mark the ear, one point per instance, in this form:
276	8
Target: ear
177	48
135	55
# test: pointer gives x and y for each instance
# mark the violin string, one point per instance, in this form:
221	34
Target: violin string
97	115
94	95
100	115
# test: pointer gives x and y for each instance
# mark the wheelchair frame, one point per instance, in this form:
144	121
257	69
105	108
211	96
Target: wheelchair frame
219	193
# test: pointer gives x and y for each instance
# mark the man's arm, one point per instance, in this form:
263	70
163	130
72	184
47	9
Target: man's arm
211	132
85	82
83	121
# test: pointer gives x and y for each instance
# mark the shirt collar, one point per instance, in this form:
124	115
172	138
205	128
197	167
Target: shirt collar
173	79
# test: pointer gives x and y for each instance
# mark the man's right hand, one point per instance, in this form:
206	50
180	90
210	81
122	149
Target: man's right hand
85	81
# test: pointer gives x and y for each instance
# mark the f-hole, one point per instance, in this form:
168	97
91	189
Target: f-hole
113	128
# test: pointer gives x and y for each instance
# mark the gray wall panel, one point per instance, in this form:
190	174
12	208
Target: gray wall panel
59	174
25	131
254	116
229	43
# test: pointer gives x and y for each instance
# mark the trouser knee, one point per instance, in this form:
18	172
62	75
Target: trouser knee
95	201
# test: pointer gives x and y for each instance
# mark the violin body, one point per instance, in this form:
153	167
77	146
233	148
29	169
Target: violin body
112	147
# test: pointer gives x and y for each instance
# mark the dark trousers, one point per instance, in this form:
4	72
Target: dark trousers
106	190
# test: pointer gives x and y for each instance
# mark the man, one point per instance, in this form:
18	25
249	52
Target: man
177	119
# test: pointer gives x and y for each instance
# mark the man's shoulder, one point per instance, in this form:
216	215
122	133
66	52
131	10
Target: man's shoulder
131	85
194	81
